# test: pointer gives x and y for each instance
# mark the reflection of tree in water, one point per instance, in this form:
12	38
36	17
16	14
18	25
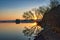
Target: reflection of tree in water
30	31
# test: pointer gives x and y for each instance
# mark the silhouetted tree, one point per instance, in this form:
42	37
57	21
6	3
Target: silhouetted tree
38	14
54	3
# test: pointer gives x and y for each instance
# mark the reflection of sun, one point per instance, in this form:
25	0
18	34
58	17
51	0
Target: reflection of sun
34	23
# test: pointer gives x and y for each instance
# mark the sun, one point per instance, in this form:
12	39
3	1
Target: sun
35	18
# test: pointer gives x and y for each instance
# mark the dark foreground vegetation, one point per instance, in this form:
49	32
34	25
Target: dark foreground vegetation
51	25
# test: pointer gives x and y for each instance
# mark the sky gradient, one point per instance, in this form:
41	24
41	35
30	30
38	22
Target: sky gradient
14	9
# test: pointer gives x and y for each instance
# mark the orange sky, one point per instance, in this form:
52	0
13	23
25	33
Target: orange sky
11	14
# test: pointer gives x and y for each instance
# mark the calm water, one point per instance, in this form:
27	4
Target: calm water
12	31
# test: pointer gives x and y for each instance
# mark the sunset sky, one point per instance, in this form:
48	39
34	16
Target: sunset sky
14	9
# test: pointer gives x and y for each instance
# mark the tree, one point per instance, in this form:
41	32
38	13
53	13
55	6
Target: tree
37	14
54	3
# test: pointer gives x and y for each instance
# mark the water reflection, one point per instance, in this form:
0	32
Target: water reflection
9	31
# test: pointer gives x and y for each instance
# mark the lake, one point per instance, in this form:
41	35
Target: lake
12	31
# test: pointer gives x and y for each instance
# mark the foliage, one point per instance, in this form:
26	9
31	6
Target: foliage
35	13
54	3
38	14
